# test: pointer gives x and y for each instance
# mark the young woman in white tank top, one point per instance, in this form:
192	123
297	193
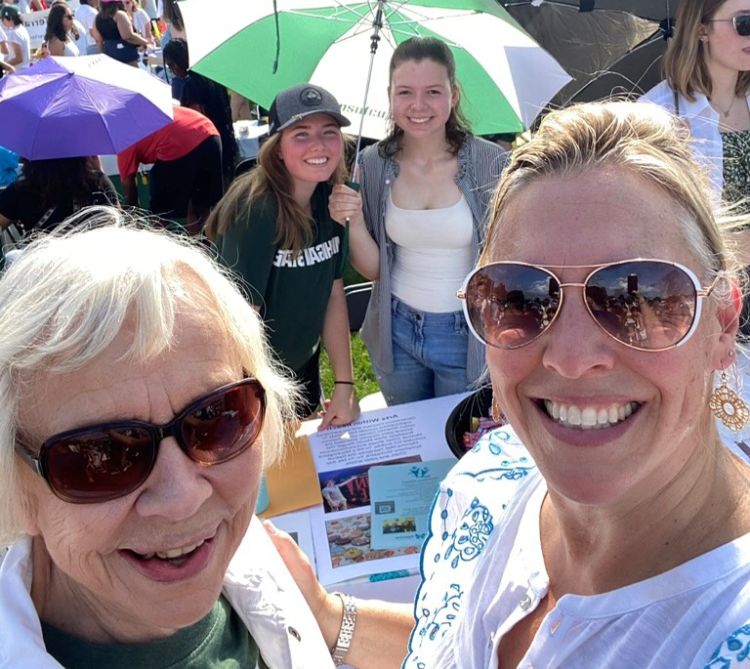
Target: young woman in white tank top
425	231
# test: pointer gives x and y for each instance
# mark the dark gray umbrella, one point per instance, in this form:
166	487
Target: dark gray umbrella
630	76
606	51
652	10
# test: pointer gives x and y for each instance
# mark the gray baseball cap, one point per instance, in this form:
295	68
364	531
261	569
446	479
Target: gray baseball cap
294	103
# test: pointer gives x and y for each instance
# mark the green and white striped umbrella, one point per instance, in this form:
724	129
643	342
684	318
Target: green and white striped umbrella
259	47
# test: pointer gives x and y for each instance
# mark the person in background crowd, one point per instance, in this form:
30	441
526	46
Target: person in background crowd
59	26
86	15
18	39
185	181
114	33
608	525
5	68
173	18
141	20
706	72
426	188
205	96
48	191
151	9
241	107
273	228
140	379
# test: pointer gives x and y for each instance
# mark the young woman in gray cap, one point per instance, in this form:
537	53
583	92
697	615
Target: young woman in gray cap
274	229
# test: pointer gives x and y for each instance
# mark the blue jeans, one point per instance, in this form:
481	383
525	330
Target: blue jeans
429	355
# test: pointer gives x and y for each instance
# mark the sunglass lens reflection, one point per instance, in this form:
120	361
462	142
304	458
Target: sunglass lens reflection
646	305
510	305
99	466
223	425
742	24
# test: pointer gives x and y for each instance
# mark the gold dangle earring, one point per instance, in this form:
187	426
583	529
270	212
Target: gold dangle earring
496	412
727	405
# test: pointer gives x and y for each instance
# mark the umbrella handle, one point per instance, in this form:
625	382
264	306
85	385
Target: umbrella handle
354	185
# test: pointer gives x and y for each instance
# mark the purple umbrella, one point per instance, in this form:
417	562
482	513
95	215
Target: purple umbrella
66	107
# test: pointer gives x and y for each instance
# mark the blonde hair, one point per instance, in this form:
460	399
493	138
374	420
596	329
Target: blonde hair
684	63
269	178
644	139
67	296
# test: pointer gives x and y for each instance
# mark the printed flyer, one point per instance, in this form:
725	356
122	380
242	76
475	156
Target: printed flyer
407	435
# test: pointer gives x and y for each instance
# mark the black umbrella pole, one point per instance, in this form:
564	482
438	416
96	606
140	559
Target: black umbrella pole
377	25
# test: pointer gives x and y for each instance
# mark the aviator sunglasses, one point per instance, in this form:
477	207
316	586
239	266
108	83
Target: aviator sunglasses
647	305
99	463
741	23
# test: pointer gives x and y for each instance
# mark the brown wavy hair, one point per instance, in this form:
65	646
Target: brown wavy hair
418	49
269	178
684	63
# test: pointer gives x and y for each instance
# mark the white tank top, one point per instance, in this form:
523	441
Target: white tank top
434	253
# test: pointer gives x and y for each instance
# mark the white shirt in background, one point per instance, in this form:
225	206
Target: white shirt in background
19	35
86	15
82	43
140	20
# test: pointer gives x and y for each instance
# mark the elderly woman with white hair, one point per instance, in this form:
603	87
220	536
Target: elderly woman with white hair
139	406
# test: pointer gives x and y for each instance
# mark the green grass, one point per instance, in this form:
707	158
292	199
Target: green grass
365	382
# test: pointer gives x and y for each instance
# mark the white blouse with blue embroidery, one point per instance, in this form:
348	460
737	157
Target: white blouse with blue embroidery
483	571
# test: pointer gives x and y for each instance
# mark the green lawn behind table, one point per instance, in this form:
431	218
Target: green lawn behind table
364	378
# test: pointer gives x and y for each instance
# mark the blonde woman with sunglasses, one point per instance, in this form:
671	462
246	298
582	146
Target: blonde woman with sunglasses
609	524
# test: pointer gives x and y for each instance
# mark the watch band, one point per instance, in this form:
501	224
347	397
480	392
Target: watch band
346	631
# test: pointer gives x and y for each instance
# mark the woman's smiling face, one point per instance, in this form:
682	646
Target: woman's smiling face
596	217
153	561
311	149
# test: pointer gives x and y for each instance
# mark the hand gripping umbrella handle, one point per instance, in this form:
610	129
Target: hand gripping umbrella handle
354	185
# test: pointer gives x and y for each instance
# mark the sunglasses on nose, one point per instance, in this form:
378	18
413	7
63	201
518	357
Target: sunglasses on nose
99	463
741	23
647	305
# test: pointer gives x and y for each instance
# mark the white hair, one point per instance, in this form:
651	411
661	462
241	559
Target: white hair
66	297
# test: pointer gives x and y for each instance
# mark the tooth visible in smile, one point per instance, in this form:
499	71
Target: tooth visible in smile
589	418
316	161
172	553
574	415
